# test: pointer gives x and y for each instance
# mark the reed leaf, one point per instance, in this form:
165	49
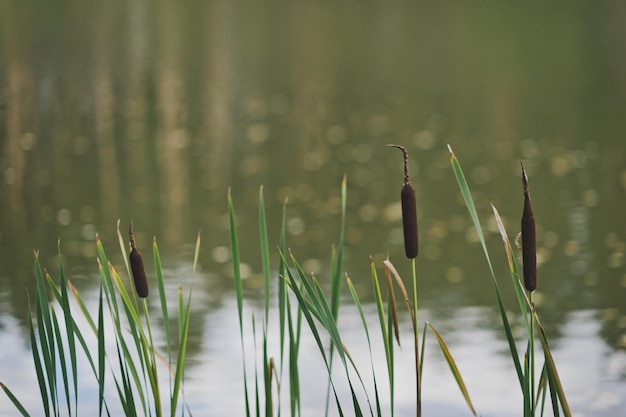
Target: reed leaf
386	337
158	269
357	303
14	400
234	247
70	327
467	197
453	367
307	309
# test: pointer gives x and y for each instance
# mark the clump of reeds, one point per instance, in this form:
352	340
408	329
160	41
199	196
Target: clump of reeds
132	366
534	395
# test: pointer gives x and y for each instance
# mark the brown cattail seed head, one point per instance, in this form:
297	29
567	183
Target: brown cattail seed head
409	210
529	243
136	266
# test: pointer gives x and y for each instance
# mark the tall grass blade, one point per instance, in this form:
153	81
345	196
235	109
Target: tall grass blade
69	326
386	337
101	352
234	247
41	378
46	337
62	361
553	375
265	261
357	303
517	284
336	274
467	197
158	269
390	269
308	310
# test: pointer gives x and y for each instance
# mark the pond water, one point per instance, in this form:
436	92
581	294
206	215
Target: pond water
153	111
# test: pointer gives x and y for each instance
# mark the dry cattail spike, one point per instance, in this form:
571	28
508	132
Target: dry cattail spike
529	244
409	210
136	266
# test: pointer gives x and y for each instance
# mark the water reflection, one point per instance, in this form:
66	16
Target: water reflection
152	111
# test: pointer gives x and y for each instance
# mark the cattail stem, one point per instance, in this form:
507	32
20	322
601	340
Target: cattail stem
136	266
529	244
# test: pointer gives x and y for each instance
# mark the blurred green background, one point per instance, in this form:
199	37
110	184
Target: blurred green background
152	110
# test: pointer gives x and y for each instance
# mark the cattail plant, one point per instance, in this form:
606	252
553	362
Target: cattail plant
529	244
411	248
409	210
136	265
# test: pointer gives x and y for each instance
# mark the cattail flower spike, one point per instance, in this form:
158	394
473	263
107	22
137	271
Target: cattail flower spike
529	244
409	210
136	266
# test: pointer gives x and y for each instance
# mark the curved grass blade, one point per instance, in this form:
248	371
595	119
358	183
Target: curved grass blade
517	284
387	338
553	375
453	367
307	309
14	400
357	302
467	196
158	269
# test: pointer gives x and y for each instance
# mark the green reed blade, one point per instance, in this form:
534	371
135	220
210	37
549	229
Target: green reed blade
158	269
306	309
322	310
553	375
46	335
265	261
282	294
70	328
336	273
123	250
386	337
265	253
182	350
62	361
234	248
357	302
14	400
101	351
331	327
196	253
82	306
467	196
517	283
41	379
453	367
336	278
294	375
107	281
